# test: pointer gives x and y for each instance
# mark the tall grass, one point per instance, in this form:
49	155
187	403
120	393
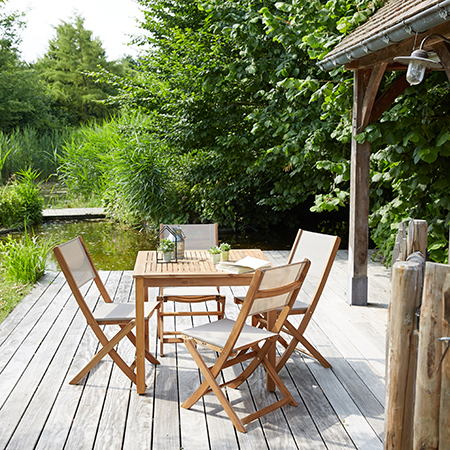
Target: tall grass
27	147
125	163
24	259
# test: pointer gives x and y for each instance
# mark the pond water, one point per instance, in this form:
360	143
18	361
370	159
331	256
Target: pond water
114	247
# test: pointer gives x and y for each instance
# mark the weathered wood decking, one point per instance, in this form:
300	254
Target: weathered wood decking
44	342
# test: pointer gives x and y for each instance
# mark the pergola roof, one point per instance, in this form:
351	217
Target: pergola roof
396	21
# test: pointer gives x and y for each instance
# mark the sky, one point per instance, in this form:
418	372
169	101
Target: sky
110	20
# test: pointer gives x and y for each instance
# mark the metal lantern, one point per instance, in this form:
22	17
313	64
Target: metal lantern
419	61
178	238
172	237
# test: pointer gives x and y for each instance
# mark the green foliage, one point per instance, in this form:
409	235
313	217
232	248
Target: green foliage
242	127
214	250
166	246
72	54
23	97
123	162
20	201
24	260
28	148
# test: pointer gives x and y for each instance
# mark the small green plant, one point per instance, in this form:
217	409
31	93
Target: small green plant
21	201
24	260
224	247
166	246
214	250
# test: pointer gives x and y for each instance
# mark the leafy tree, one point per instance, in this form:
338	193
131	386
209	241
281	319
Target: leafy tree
237	95
72	54
23	99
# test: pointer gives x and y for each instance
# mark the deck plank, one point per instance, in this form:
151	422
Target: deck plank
45	342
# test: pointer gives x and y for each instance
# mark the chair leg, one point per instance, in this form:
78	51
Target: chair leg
109	348
160	327
296	338
148	356
211	381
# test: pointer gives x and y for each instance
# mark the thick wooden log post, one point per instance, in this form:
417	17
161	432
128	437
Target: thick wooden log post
417	237
444	413
401	354
428	381
366	83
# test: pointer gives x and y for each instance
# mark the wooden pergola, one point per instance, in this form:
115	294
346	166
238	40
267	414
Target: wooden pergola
369	51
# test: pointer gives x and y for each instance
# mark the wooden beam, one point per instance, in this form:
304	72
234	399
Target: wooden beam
404	47
443	51
385	101
369	96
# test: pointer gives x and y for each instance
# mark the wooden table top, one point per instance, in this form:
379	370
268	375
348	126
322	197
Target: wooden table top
196	269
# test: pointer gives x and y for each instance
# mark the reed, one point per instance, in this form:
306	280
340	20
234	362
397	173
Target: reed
27	147
24	259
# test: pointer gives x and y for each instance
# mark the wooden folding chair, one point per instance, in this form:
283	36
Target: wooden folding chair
78	268
198	237
236	341
321	250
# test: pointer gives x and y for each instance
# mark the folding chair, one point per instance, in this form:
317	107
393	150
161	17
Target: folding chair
198	237
78	268
321	250
236	341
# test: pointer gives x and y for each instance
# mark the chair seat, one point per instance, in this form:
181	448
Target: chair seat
299	307
121	311
194	291
217	334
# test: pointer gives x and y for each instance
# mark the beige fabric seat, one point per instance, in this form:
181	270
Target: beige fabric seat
236	341
198	237
78	268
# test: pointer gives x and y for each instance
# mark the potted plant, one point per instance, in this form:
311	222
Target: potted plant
225	251
215	254
166	247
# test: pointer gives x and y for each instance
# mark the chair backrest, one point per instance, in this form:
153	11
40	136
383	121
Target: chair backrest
198	236
78	268
321	250
273	289
77	261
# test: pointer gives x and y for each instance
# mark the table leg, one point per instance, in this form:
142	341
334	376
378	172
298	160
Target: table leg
271	319
140	336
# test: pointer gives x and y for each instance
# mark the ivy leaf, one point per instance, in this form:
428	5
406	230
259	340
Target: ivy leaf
428	155
442	138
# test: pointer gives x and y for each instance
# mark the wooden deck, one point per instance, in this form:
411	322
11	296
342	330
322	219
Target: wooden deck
73	213
44	342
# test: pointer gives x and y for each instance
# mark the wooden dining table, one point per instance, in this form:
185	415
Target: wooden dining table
195	269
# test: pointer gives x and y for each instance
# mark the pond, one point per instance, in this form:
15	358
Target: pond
114	247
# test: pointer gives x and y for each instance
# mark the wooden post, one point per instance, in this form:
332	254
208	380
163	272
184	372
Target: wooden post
444	413
366	83
428	382
399	253
443	51
417	237
401	354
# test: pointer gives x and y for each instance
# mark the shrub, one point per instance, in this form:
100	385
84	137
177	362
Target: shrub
20	201
24	260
